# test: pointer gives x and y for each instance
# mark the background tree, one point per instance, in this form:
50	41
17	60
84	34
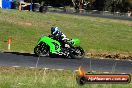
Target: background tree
101	5
113	5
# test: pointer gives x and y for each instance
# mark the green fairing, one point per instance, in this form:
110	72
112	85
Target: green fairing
49	42
74	41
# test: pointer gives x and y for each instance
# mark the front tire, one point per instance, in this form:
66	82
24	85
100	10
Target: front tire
77	53
41	50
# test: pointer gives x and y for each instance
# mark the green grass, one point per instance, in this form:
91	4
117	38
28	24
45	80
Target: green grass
95	33
25	28
40	78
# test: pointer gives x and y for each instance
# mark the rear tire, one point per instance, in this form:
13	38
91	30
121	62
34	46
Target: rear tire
41	50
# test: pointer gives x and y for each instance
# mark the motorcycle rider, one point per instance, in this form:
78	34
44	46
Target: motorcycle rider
59	36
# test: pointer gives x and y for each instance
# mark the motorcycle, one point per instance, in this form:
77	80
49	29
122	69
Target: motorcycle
47	46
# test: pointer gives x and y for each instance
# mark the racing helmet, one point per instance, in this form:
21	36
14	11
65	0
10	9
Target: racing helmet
54	30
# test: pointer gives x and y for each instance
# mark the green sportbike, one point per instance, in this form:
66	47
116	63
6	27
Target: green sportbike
47	46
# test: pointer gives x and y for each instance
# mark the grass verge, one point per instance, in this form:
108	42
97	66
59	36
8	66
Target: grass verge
40	78
96	34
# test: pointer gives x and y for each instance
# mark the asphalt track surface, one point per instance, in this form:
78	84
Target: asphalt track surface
98	15
29	60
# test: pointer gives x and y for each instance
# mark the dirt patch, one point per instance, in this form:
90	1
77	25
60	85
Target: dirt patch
130	22
24	23
113	55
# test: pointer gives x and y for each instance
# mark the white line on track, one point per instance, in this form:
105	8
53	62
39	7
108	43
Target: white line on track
60	69
16	66
31	67
106	72
46	68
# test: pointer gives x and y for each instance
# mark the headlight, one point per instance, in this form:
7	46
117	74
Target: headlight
66	45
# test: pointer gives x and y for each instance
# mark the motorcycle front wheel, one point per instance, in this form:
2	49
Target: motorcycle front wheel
77	53
41	50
